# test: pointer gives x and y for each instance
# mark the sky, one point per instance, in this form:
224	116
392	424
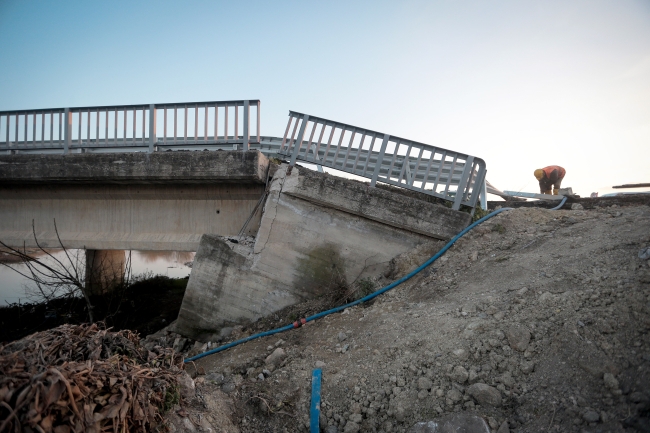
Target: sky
520	84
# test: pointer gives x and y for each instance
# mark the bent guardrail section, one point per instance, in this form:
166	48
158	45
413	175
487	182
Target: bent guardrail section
384	158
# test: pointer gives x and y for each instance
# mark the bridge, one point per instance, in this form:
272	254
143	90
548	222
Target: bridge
177	176
152	128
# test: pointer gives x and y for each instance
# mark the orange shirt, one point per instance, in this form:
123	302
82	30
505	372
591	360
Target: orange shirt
554	172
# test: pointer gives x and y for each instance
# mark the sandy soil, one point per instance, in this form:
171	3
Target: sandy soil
536	321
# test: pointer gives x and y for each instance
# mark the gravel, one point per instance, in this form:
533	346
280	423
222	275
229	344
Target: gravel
546	329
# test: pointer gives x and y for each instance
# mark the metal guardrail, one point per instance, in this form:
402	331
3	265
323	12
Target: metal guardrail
217	125
385	158
130	126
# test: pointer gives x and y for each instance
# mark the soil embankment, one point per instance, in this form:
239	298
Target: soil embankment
537	320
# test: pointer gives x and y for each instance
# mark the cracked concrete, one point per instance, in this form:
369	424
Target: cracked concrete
317	233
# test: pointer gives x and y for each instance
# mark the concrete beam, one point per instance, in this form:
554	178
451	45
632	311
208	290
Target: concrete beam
158	167
387	207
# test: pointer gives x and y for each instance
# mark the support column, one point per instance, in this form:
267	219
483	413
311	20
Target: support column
105	270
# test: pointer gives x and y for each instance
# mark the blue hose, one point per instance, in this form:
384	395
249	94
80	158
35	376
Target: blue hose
314	410
358	301
560	205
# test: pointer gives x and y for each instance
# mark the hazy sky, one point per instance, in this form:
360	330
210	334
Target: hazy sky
521	84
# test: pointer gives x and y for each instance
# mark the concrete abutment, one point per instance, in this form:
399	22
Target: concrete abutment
317	232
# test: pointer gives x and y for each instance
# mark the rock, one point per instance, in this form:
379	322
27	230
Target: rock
473	376
424	383
507	379
331	429
186	384
461	354
351	427
499	315
485	395
455	395
342	336
610	381
504	427
319	364
522	291
453	423
546	296
459	374
577	206
215	378
189	425
225	332
400	414
179	344
518	337
527	367
228	387
276	357
260	376
356	417
591	416
644	253
638	397
469	309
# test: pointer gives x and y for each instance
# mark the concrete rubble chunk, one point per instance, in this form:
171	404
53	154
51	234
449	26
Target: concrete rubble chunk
610	381
276	357
459	374
187	386
316	232
518	337
454	423
424	383
485	395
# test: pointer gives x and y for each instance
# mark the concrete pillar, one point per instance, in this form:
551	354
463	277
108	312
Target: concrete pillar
104	270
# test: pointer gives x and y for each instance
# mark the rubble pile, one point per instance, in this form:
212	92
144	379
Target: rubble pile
85	379
537	320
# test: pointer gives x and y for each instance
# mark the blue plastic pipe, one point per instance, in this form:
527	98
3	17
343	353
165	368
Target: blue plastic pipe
358	301
558	207
314	410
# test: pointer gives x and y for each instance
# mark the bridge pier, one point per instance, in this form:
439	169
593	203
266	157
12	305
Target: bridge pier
105	270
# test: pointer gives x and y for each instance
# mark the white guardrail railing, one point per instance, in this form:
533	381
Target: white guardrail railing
385	158
232	125
141	127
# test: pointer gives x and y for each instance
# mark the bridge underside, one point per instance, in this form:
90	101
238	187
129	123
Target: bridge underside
126	202
139	217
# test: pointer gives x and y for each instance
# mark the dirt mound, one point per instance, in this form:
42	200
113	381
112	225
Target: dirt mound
537	320
85	379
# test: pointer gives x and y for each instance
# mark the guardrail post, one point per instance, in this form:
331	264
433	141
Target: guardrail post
380	158
484	196
298	143
259	103
462	183
247	112
67	115
152	127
